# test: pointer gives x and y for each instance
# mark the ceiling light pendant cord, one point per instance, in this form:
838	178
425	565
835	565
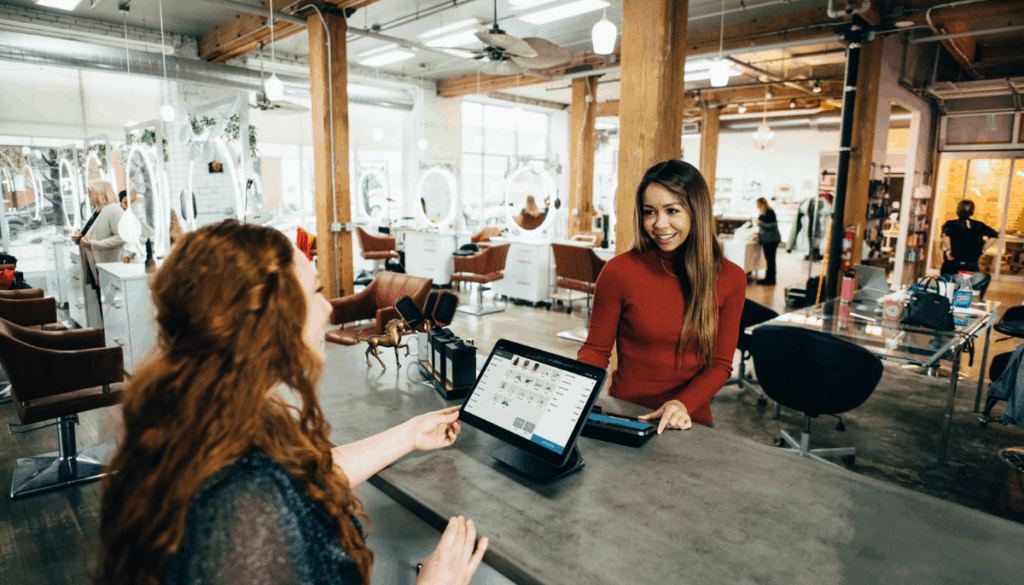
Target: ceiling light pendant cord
273	54
721	31
128	59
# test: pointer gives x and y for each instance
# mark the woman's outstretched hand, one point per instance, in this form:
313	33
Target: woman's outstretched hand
434	430
456	557
673	415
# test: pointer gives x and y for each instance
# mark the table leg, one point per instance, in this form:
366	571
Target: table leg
948	419
984	366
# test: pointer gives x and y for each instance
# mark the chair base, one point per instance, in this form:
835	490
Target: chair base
479	310
577	334
803	449
41	473
5	394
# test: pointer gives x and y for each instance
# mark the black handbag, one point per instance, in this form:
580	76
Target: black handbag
930	310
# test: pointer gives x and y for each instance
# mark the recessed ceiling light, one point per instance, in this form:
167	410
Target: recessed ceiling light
705	75
564	11
61	4
387	58
468	23
466	37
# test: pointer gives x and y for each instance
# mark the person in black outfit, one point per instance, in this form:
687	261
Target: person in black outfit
769	237
963	241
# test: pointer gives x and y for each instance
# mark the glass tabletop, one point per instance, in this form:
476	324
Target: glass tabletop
863	323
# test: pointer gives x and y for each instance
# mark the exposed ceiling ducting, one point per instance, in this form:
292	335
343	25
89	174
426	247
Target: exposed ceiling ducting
37	50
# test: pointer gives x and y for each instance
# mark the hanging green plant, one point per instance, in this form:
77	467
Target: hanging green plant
232	131
100	150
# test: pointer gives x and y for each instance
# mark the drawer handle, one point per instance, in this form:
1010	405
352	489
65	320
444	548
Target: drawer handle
524	261
119	341
524	282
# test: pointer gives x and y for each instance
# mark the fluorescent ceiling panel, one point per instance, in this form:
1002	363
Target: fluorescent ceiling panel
378	50
62	4
463	38
703	75
564	11
468	23
387	58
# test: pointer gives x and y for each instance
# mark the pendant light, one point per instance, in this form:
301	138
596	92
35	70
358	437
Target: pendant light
128	61
763	136
721	70
166	110
274	86
603	35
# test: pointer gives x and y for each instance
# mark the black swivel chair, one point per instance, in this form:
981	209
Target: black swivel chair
814	373
1011	323
753	314
995	369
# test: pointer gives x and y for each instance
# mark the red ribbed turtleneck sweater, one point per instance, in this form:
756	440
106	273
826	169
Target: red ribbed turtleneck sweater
639	305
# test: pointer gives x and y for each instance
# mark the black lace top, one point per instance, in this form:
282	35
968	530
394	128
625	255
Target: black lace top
251	524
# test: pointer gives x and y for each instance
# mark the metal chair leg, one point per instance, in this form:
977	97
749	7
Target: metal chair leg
5	395
65	467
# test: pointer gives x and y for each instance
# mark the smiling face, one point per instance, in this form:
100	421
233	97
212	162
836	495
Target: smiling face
665	219
318	309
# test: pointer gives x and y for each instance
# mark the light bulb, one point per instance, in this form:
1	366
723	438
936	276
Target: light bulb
378	134
167	113
817	87
768	94
423	143
720	73
603	35
792	103
742	108
275	88
26	150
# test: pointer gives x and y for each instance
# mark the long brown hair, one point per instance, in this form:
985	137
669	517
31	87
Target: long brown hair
230	311
698	261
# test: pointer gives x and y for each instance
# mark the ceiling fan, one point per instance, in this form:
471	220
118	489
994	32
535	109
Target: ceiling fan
264	104
509	55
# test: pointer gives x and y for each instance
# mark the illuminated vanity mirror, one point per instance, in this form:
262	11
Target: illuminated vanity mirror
144	196
213	173
70	195
373	194
438	197
529	199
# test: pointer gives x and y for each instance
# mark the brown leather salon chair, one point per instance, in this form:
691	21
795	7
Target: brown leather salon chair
54	376
377	248
27	308
576	268
483	267
375	302
485	235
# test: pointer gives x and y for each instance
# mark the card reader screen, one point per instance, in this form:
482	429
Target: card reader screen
537	401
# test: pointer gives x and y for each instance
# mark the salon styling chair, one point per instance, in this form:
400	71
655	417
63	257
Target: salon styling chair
375	302
485	235
1011	323
27	308
54	376
753	314
816	374
576	268
483	267
380	249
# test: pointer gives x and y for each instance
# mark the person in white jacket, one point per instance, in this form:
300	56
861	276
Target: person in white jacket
101	243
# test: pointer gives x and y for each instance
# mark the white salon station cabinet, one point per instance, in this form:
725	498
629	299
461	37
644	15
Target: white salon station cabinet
129	317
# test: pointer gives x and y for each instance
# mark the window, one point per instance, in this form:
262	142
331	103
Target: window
494	138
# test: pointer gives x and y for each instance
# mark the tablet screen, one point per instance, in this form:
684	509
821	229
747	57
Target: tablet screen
540	401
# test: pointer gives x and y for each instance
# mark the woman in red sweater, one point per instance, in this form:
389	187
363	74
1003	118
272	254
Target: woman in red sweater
672	304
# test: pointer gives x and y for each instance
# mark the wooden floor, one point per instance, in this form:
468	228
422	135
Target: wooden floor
51	538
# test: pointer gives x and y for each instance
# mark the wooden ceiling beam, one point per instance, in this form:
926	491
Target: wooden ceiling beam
245	32
966	12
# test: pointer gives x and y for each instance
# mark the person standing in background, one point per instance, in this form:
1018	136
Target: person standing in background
769	237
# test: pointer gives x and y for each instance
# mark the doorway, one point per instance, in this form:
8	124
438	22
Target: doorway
995	183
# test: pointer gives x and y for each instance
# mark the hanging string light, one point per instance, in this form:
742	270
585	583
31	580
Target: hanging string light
763	136
166	110
128	61
274	86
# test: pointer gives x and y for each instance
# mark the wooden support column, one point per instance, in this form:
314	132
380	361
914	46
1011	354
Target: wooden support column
651	103
710	126
865	114
329	86
581	154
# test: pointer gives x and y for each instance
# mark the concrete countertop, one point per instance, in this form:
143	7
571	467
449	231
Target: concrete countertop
699	506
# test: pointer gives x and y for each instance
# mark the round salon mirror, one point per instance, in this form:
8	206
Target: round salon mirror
29	196
529	198
438	197
70	195
145	199
373	194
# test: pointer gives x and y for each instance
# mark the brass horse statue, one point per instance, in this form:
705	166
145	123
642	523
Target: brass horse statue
392	337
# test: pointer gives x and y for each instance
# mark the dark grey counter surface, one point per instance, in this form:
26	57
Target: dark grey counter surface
699	506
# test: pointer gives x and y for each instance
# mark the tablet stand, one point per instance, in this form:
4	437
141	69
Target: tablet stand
536	469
